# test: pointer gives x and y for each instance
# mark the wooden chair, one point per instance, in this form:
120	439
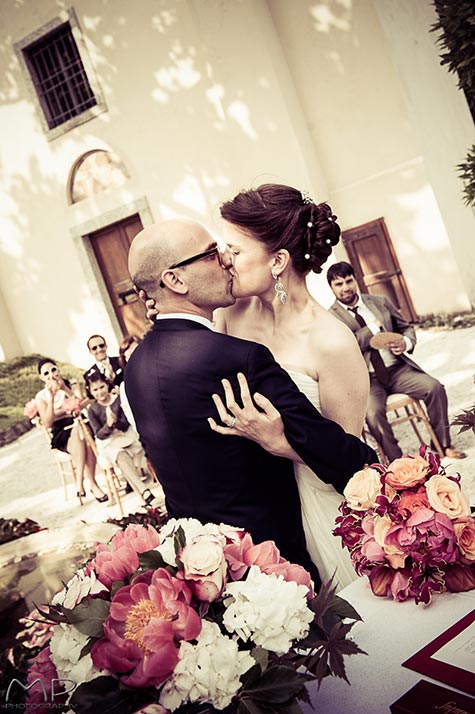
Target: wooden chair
64	462
401	408
110	475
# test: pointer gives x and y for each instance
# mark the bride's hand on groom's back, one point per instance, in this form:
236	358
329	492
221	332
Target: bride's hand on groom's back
262	424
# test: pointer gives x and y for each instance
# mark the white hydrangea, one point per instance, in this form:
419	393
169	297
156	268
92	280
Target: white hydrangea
66	645
207	671
267	610
78	588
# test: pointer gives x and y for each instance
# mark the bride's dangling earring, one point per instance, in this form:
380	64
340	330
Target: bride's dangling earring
279	288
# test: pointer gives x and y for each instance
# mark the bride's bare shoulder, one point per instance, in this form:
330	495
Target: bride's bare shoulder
329	334
224	317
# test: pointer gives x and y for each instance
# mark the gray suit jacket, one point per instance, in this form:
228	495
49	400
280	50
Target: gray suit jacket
387	314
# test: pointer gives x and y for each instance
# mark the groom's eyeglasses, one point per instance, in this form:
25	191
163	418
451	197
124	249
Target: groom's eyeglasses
193	259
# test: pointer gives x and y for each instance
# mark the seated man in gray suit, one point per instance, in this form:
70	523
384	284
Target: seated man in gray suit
391	370
169	381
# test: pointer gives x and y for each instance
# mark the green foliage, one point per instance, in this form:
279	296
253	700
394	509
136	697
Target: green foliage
467	174
456	26
465	420
446	321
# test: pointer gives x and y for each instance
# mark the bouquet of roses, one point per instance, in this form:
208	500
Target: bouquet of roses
408	527
191	618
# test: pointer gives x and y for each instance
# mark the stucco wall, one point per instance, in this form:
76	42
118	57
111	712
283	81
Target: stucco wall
206	98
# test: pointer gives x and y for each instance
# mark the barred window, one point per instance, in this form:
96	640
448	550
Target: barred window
59	76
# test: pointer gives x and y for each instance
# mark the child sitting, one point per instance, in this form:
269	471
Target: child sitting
117	443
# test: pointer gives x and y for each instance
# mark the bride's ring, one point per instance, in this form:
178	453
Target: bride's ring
232	422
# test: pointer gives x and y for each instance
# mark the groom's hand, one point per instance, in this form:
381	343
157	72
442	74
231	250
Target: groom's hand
263	425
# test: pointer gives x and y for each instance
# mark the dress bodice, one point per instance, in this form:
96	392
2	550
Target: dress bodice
306	384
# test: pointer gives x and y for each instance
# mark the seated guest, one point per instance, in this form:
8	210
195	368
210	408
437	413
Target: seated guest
391	370
117	443
65	432
108	366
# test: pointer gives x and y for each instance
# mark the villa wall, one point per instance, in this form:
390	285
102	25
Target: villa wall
206	98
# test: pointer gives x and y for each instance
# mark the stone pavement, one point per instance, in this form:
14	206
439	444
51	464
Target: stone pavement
30	485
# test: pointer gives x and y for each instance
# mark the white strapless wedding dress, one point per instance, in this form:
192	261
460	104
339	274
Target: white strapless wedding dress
319	502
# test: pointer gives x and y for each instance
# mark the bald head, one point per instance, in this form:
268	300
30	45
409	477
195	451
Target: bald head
159	246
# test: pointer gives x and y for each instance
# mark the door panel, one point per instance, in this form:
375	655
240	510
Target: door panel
371	253
111	248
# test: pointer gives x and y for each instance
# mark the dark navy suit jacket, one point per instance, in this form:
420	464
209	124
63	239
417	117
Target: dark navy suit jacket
169	380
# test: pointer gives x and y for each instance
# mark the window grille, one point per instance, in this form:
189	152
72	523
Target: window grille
59	76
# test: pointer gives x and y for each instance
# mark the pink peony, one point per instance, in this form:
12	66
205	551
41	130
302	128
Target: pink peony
145	621
41	667
406	472
204	566
140	538
267	557
114	565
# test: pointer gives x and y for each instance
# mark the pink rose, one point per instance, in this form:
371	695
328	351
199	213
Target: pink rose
146	620
406	472
31	409
204	567
445	496
465	534
362	489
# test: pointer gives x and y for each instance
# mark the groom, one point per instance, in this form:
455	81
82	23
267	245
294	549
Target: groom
181	362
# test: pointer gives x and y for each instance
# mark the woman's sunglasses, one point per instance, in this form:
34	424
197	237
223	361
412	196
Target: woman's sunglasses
51	371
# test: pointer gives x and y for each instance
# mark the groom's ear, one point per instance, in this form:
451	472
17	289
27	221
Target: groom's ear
173	282
281	260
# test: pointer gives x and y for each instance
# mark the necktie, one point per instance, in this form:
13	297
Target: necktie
380	369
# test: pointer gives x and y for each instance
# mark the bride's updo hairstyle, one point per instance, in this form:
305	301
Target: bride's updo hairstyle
282	217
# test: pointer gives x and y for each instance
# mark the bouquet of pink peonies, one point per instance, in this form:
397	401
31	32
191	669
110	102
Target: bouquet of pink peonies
408	527
190	618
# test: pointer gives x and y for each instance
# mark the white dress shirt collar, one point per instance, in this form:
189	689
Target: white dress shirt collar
186	316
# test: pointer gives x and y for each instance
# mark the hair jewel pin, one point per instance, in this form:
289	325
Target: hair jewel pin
307	256
305	197
310	224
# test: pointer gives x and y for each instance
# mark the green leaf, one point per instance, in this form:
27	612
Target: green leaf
88	617
151	560
87	647
179	542
104	694
343	609
277	685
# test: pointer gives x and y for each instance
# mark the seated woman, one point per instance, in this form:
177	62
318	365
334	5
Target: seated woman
66	435
117	443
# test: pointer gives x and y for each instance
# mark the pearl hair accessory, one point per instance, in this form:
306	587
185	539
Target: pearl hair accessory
307	256
310	224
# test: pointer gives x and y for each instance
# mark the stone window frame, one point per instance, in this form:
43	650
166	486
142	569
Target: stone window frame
65	16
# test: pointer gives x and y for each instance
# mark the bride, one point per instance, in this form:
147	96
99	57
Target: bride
277	236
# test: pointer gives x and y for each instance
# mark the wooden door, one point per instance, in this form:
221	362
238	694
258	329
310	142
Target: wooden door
111	248
375	262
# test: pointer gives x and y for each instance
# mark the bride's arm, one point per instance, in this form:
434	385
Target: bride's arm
343	379
263	425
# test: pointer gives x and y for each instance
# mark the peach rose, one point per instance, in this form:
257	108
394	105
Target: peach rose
445	496
465	533
407	472
410	501
362	489
204	567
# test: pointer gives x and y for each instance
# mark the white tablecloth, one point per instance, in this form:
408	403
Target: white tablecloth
390	633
